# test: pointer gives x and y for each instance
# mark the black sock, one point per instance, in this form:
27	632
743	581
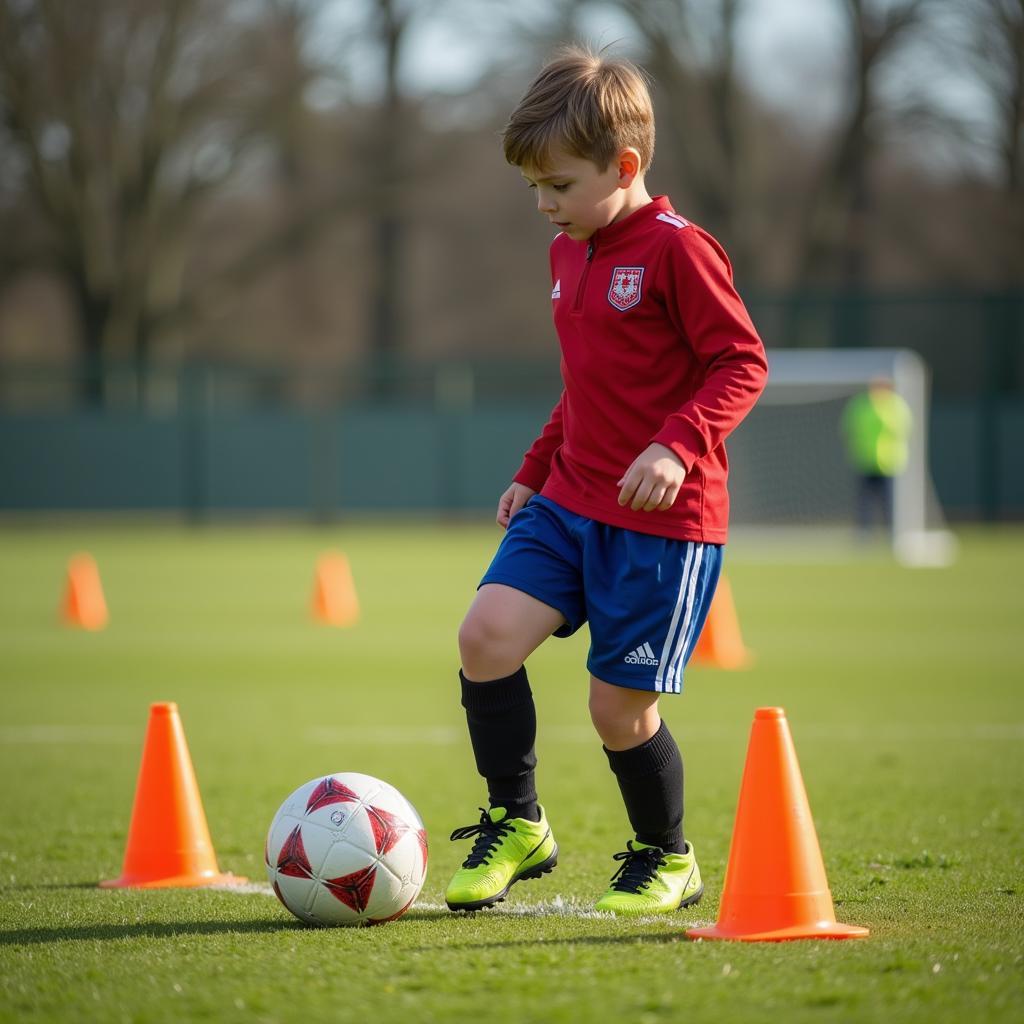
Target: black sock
502	728
650	777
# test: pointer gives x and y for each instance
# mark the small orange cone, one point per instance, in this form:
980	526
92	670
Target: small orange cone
775	885
84	605
334	594
168	841
720	643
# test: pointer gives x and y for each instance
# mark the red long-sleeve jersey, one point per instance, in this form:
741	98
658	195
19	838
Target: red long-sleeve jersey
656	346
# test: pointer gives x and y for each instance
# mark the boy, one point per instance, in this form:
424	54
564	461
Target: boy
618	513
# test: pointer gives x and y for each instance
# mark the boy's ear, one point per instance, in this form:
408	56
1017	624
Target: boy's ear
629	166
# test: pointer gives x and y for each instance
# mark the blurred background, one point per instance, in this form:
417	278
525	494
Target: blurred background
266	255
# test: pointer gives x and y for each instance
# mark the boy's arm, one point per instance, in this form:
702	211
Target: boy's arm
696	279
537	461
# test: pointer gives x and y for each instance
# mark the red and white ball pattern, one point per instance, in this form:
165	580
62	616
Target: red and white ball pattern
346	849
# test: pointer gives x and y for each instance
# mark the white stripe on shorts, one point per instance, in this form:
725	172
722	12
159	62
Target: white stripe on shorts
659	679
673	684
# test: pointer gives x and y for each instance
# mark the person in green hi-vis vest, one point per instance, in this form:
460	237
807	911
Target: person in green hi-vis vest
876	425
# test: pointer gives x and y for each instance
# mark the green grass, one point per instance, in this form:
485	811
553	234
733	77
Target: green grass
903	690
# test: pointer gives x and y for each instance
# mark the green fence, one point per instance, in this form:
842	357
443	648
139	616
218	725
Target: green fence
446	436
365	459
361	459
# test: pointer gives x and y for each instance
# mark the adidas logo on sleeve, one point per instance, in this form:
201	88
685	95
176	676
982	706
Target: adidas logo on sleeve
643	655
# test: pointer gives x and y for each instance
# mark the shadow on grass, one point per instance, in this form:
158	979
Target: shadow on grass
31	886
167	930
151	930
654	939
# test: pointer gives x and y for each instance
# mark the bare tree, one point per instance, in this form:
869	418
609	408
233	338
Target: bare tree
837	213
126	117
391	169
691	53
387	157
110	107
995	50
281	50
991	39
995	45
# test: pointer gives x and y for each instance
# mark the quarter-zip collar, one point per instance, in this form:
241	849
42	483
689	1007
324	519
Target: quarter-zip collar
617	229
607	236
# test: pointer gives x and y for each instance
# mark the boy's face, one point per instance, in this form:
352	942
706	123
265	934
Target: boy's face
575	195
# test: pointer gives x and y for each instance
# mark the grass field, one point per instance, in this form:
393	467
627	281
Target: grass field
903	690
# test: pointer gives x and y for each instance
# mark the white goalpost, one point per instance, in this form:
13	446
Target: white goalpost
790	472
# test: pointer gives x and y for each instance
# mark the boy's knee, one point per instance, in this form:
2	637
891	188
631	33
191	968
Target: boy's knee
621	720
606	712
474	636
484	649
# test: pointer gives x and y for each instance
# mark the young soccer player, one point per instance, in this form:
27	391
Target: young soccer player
618	513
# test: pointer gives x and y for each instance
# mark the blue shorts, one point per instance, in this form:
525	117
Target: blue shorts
646	597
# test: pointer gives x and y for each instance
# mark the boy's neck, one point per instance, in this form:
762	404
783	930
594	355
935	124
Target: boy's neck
635	198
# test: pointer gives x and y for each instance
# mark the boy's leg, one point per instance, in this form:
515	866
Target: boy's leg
647	599
658	871
645	760
512	839
531	590
502	628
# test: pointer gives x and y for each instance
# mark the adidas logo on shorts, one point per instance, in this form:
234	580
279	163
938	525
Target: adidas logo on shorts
643	655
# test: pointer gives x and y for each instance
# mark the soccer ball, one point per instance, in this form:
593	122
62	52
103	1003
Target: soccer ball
346	849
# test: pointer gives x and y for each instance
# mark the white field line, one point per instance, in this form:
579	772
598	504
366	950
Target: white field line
424	735
558	906
245	888
10	734
884	731
443	735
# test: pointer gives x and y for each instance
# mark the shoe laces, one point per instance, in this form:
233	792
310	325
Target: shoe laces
488	837
638	867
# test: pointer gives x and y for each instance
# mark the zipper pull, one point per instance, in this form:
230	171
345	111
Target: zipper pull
590	251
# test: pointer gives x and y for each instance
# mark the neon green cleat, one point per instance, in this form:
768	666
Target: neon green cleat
651	881
506	851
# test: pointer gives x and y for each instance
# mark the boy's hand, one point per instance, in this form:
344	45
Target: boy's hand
653	481
512	501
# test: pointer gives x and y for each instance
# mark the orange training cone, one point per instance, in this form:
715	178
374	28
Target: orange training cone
720	643
775	885
83	604
334	594
168	841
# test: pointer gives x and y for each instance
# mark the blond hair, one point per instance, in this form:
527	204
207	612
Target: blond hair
590	105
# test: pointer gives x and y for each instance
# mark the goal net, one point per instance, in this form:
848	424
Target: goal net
789	470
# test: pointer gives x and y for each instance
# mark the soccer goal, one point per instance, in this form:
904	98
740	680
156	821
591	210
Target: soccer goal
790	475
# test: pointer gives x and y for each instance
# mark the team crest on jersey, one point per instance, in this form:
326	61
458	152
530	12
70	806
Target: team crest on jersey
624	291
